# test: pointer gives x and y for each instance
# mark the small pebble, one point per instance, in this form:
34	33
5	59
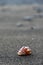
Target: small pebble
19	24
28	18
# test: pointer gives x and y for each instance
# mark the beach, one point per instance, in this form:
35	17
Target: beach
13	36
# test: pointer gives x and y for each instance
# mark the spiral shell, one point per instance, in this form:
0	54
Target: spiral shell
25	50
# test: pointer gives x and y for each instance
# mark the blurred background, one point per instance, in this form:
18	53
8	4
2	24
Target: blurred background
21	23
12	2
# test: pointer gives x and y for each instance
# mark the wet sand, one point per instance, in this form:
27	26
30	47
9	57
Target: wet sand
13	37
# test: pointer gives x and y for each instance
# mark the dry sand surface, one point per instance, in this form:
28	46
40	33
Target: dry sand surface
12	37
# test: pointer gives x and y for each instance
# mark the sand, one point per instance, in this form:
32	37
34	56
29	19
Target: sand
13	37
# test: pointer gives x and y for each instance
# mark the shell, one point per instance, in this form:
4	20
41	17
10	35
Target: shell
25	50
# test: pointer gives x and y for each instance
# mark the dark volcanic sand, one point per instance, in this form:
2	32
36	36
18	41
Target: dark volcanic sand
13	38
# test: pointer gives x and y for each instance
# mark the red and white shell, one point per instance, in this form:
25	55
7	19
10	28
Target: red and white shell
25	50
